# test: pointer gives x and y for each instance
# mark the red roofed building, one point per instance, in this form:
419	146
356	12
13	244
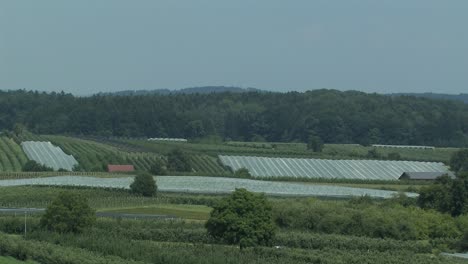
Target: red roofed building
120	168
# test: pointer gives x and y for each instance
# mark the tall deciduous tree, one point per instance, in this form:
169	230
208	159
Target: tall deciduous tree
68	213
178	161
315	143
243	218
459	161
446	195
144	184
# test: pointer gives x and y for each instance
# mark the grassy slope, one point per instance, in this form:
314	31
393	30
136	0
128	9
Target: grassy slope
12	157
330	151
10	260
93	156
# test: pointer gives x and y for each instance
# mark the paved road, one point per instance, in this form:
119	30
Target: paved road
21	211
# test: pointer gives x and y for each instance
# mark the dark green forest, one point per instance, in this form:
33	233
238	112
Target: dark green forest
334	116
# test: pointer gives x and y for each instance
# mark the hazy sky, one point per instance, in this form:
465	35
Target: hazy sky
86	46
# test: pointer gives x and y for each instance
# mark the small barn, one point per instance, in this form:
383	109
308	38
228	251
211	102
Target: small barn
120	168
424	176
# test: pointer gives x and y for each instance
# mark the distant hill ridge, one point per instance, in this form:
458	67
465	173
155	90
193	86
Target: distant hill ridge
191	90
332	115
232	89
455	97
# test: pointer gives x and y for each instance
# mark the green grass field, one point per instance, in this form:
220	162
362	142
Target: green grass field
10	260
98	198
330	151
185	211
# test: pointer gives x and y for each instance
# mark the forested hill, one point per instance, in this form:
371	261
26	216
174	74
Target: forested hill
338	117
457	97
192	90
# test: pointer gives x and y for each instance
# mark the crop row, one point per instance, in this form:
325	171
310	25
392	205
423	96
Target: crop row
94	156
206	164
12	157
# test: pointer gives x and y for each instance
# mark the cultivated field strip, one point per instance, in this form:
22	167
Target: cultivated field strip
12	157
205	163
196	184
47	154
318	168
94	156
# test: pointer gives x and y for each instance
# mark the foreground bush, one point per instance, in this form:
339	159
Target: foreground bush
379	220
47	253
32	165
243	218
144	184
68	213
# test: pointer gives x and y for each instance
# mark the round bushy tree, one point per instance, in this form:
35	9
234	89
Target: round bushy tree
144	184
459	161
242	173
68	213
157	168
243	218
178	161
315	143
32	165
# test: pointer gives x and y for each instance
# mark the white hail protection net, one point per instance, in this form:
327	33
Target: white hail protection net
320	168
49	155
197	184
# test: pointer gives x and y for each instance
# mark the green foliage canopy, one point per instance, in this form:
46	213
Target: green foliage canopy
68	213
243	218
336	117
178	161
157	168
459	161
446	195
144	184
32	165
315	143
242	173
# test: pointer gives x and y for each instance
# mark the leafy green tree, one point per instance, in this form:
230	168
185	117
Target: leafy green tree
315	143
178	161
394	156
243	218
157	168
195	129
459	161
144	184
77	167
18	129
374	136
68	213
373	154
242	173
446	195
32	165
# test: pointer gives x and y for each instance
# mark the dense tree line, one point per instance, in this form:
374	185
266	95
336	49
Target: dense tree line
332	116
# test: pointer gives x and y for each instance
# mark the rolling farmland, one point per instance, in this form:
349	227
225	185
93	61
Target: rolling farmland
200	163
208	185
331	169
93	156
12	157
